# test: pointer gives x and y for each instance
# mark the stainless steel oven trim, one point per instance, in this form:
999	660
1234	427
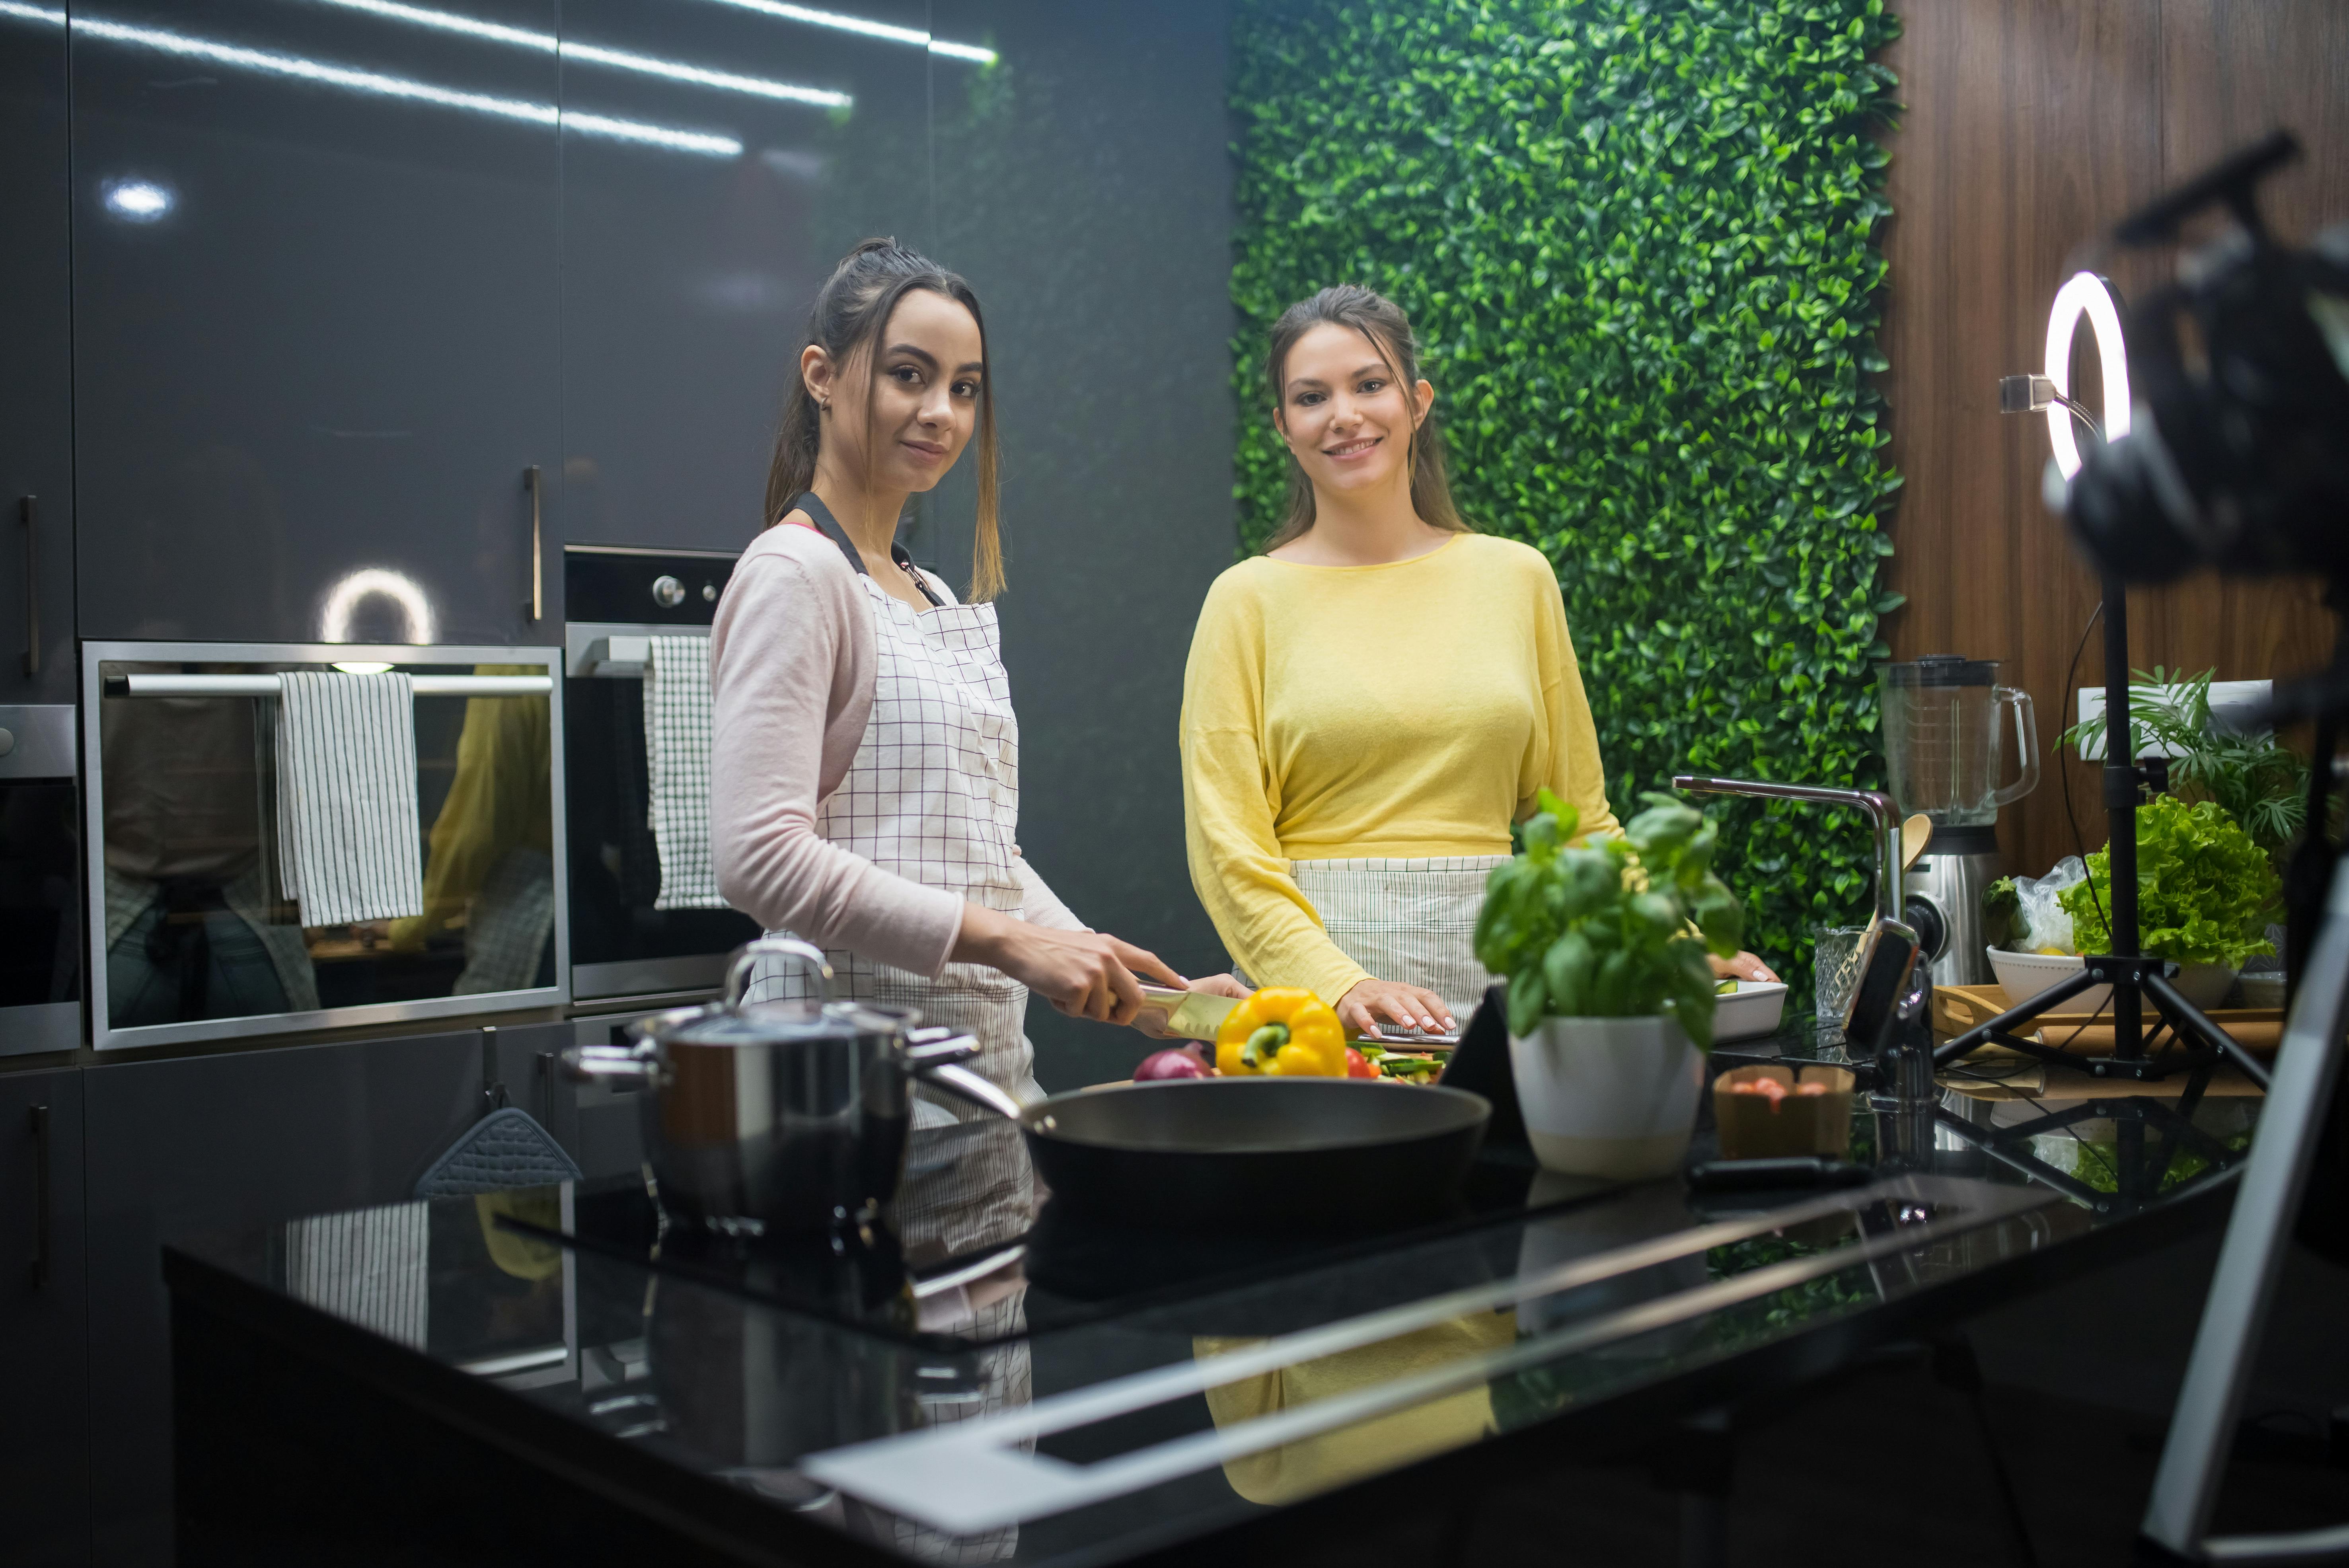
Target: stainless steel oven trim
41	737
40	1026
581	659
649	976
94	654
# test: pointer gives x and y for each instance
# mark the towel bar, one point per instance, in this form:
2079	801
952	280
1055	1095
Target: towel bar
267	686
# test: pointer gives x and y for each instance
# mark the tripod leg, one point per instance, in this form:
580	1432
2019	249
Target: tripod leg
2193	1461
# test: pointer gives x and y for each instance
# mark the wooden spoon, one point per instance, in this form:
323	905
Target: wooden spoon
1914	832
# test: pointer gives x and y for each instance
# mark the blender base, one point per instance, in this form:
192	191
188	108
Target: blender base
1950	876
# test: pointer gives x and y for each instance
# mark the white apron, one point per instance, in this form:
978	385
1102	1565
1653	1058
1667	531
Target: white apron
933	796
1410	921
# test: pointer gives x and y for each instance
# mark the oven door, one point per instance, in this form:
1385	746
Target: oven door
621	945
40	883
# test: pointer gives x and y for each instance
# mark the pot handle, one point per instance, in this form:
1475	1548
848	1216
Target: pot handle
746	958
614	1064
965	1084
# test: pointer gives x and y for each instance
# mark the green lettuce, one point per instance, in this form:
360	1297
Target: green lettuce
2203	887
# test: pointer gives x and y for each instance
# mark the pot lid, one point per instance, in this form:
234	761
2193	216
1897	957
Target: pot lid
776	1022
1942	670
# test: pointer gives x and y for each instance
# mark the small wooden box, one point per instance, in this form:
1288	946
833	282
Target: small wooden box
1765	1127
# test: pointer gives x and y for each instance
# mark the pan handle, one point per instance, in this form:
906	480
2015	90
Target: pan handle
746	958
965	1084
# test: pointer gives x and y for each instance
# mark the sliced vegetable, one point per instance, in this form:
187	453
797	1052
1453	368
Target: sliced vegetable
1360	1065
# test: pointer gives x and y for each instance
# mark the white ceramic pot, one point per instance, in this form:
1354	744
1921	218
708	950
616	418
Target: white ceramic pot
1615	1097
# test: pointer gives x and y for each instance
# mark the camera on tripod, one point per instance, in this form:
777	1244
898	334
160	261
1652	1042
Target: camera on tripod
2237	455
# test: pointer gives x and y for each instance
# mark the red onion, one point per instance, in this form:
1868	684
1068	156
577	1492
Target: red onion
1183	1063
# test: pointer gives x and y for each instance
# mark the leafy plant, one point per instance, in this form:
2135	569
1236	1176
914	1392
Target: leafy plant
1636	239
1602	931
2255	778
2203	887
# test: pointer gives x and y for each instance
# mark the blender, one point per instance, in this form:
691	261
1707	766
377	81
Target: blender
1943	744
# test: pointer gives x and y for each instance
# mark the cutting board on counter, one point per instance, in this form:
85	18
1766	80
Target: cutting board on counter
1957	1008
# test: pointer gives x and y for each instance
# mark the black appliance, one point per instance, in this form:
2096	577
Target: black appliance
621	945
40	882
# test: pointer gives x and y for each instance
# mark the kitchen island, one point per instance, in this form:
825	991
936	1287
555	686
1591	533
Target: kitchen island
551	1375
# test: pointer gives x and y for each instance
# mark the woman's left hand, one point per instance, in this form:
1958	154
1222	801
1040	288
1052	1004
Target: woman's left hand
1745	966
1149	1020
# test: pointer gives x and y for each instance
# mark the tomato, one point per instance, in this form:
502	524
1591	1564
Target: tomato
1358	1065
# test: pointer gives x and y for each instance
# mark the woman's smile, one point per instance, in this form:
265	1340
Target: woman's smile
1345	451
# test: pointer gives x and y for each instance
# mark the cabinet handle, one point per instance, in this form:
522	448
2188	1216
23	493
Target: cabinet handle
530	481
40	1195
29	508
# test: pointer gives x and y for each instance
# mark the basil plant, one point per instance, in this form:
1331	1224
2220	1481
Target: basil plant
1619	929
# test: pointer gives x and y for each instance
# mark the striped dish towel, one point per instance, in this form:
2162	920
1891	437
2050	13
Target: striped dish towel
677	752
348	837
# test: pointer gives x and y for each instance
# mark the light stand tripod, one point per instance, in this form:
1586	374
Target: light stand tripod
2134	978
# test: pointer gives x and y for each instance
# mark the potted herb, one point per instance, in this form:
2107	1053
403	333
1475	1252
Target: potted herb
2204	891
1610	995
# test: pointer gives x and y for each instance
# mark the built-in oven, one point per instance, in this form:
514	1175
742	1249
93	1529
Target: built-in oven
624	944
286	837
40	882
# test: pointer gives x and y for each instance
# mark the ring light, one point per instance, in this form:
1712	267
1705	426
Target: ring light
2085	293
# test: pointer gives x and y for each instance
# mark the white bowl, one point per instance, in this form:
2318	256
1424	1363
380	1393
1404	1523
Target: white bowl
1753	1008
2023	976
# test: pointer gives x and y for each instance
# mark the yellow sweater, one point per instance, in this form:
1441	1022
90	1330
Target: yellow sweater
1398	711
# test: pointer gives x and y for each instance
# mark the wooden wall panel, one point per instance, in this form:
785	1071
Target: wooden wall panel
2029	126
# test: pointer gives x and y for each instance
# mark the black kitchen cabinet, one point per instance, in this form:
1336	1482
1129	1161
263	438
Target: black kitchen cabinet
687	279
201	1142
315	319
37	557
44	1440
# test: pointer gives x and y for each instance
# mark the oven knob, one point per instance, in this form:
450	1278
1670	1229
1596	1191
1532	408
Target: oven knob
668	592
8	741
709	593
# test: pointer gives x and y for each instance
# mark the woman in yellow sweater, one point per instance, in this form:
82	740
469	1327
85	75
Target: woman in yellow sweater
1371	702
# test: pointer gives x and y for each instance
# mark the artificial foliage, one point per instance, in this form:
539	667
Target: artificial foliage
1636	241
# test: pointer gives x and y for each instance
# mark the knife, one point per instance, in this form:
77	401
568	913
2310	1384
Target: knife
1188	1014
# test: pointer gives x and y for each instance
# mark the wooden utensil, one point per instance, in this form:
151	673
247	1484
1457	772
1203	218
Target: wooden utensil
1914	833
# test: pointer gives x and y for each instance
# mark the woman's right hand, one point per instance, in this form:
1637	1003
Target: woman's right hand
1084	973
1371	1002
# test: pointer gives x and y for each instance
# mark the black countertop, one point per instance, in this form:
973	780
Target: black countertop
996	1388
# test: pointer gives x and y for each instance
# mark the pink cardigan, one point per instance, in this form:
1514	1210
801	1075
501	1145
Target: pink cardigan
792	664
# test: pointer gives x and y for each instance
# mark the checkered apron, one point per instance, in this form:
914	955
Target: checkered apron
933	794
1409	920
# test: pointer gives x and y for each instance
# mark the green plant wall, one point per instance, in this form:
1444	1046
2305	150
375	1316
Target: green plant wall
1635	238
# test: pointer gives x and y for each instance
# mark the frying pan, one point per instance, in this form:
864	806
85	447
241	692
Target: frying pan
1256	1153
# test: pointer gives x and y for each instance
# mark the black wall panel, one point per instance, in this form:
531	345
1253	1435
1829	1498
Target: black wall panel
315	316
44	1302
37	557
686	280
1084	188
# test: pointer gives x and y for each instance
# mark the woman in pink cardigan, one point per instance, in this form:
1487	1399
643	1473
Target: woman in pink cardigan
865	770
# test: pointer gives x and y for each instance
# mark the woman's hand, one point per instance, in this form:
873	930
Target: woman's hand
1150	1021
1745	966
1361	1008
1084	973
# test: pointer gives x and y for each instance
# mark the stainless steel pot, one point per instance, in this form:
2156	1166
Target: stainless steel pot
781	1117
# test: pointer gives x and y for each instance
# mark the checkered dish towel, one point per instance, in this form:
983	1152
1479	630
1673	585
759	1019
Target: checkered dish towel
677	752
349	839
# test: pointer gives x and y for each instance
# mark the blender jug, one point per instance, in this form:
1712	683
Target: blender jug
1944	749
1942	739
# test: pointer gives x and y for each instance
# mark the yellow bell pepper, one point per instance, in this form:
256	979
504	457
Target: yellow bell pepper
1284	1031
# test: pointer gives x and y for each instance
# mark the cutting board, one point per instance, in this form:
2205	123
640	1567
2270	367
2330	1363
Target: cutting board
1957	1008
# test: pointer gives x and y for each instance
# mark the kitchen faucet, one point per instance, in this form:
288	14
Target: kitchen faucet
1885	817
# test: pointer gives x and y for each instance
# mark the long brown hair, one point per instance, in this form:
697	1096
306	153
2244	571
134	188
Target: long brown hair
1383	322
850	316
